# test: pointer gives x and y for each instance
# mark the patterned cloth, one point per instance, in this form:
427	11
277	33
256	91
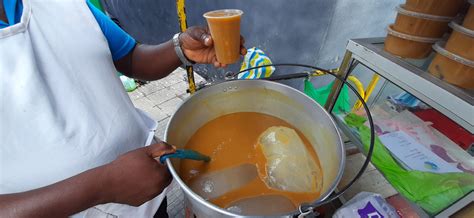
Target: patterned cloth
254	58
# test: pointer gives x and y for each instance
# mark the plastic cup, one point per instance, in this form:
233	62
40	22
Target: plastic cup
225	31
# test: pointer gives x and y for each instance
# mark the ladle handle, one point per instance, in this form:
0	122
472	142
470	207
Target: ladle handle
185	154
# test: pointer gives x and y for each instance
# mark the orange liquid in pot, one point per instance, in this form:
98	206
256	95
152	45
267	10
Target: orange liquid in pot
231	140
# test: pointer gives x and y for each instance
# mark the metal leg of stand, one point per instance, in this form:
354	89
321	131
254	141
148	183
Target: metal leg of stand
183	25
337	87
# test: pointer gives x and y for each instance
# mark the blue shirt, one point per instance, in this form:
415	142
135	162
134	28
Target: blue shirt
120	42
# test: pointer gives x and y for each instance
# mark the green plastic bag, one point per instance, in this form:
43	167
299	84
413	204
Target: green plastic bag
431	191
128	83
321	95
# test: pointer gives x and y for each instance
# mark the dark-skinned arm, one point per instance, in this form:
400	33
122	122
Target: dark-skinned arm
132	179
149	62
58	200
152	62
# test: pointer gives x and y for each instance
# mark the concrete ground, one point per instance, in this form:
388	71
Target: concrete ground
160	99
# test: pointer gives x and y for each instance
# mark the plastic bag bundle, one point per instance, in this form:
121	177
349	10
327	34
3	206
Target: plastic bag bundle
431	191
128	83
366	204
321	95
290	166
254	58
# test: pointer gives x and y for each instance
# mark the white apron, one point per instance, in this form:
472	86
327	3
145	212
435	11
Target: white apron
63	109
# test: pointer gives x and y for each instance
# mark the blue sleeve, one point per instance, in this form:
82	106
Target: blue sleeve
120	42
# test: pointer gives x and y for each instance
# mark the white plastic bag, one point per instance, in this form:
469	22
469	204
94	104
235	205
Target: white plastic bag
290	166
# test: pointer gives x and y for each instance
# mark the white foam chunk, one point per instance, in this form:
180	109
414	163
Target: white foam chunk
290	166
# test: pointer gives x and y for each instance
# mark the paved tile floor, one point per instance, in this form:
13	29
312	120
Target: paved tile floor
160	99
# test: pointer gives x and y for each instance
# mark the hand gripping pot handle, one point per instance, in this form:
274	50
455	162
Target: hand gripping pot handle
306	209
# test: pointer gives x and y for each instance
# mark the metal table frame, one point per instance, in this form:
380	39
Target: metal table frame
453	102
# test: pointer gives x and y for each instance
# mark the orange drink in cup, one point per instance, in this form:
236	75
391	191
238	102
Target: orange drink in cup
225	31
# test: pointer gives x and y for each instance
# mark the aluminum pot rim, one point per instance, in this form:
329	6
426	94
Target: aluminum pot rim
196	197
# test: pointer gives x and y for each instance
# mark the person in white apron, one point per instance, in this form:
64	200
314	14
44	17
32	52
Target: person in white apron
71	141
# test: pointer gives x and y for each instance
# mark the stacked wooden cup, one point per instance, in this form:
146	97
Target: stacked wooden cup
420	27
419	24
454	60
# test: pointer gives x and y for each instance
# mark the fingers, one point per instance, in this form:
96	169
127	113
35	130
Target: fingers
168	180
243	50
218	64
215	62
159	149
200	34
208	41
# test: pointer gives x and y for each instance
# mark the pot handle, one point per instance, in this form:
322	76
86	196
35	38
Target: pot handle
308	208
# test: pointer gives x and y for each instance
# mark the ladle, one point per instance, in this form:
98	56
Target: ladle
185	154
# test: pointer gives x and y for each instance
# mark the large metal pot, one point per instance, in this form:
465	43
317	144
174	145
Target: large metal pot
261	96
